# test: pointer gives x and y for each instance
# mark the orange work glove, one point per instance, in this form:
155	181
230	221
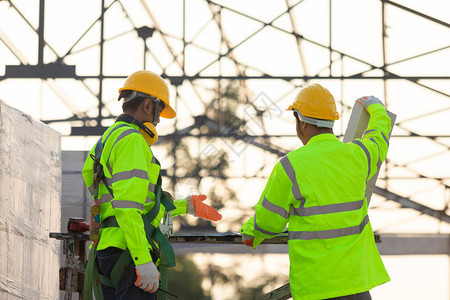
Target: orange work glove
196	207
248	240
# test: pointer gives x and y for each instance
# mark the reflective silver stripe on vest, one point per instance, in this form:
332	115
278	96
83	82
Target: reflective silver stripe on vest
130	174
151	187
274	208
287	166
115	128
385	138
153	160
262	230
373	140
368	131
105	198
379	162
366	151
326	209
328	234
127	204
121	136
112	130
106	139
148	200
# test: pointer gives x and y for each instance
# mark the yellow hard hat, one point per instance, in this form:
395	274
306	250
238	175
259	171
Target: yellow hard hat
148	138
315	101
151	84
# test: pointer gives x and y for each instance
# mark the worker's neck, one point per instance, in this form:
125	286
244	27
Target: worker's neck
316	131
136	115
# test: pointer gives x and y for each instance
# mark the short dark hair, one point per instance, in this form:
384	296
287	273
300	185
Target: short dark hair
132	105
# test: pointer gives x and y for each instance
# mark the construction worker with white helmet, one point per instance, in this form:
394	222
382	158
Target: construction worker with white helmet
124	178
319	191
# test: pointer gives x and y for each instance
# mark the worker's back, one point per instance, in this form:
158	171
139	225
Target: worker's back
319	190
331	243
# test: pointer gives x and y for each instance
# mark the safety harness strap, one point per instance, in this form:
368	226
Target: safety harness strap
167	257
92	280
120	265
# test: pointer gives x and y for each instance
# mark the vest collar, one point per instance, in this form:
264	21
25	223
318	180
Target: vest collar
323	137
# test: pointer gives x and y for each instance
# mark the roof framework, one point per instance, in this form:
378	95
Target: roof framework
203	52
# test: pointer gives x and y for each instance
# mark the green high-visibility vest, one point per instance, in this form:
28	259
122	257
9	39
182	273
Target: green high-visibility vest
132	173
319	190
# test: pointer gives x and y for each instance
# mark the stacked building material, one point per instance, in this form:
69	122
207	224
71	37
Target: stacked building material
30	185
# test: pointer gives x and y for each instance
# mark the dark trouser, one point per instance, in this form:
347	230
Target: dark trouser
360	296
125	289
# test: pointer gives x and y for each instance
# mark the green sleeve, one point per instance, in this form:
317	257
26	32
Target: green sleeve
272	210
180	207
376	136
129	162
88	172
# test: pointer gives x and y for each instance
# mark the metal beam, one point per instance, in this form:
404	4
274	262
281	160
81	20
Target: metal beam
389	76
417	13
231	243
44	71
405	202
415	244
41	32
281	293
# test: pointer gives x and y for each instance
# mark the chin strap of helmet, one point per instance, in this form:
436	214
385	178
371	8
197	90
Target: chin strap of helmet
156	104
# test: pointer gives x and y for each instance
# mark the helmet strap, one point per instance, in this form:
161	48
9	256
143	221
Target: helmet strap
313	121
156	102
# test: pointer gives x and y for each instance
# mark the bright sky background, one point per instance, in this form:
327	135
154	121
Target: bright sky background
356	31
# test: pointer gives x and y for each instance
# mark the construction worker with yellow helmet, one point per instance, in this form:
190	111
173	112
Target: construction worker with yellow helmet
124	178
318	190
